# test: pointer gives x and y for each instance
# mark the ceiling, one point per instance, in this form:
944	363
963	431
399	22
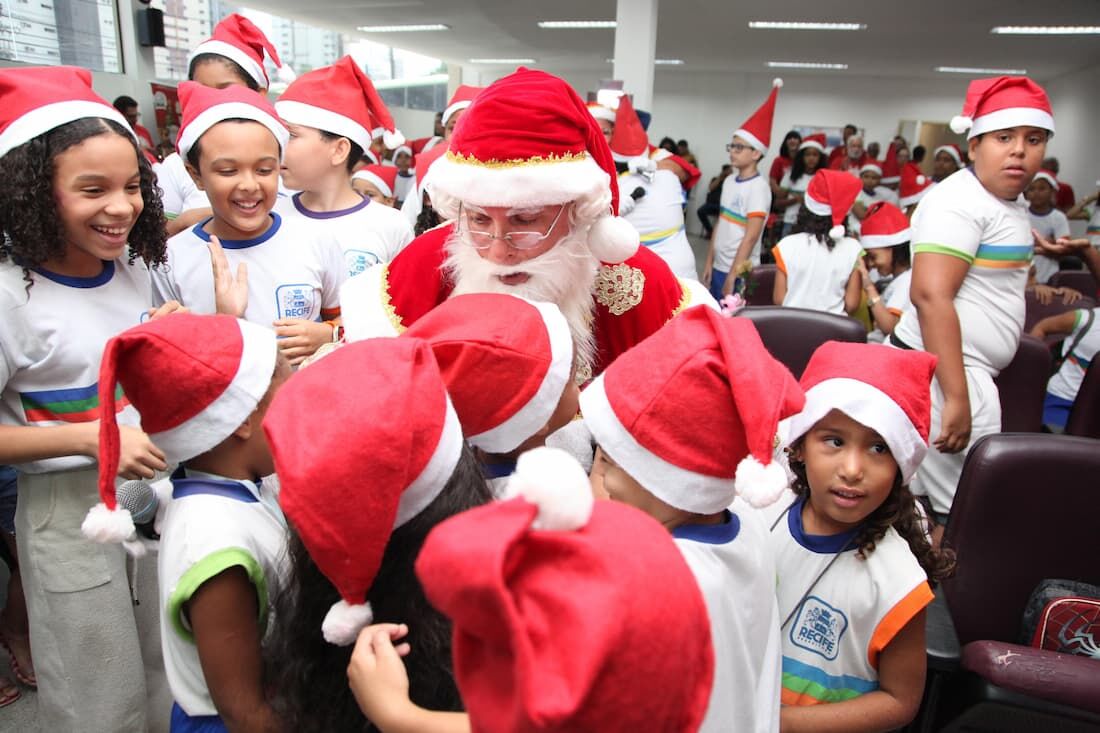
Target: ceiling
903	39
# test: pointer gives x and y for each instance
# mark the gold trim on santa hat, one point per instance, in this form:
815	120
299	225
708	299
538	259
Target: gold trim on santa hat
516	162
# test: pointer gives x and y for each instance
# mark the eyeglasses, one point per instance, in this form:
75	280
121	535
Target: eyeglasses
479	239
736	147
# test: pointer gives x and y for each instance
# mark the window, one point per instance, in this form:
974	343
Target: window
50	32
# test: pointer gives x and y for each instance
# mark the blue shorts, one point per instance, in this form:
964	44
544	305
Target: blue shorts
1056	411
181	722
9	493
717	281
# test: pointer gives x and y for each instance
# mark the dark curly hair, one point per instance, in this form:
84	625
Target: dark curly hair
427	219
217	58
307	676
816	226
899	511
28	210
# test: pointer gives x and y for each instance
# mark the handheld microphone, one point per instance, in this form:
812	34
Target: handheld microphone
139	498
637	193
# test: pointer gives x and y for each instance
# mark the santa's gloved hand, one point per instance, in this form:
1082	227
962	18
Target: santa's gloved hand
626	205
643	166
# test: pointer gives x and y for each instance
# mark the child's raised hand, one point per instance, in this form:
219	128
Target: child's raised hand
377	675
299	338
138	457
230	293
172	306
1063	246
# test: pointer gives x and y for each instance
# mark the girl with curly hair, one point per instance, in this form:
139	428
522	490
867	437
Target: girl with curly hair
852	551
81	224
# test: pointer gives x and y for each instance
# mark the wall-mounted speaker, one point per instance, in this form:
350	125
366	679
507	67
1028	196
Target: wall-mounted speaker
150	26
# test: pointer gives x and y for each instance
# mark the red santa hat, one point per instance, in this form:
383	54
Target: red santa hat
884	226
211	372
871	165
914	184
951	149
629	140
424	144
693	174
382	177
505	360
890	173
340	99
463	97
238	39
529	585
36	99
1049	177
832	193
531	142
883	388
1002	102
757	129
424	163
204	107
816	141
402	149
635	411
407	444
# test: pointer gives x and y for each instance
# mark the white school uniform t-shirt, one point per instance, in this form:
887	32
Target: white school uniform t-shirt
960	218
403	184
1067	381
178	190
52	337
733	565
740	201
1051	225
832	644
790	214
659	218
292	272
369	233
881	193
1092	230
896	300
816	275
202	535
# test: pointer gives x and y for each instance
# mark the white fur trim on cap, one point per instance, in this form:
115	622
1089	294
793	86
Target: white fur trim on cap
220	418
231	52
613	239
47	117
950	150
811	144
300	113
364	305
751	139
226	111
868	406
531	418
344	621
530	184
554	481
374	180
456	107
425	487
1003	119
816	207
1048	178
871	166
601	112
915	198
874	241
679	487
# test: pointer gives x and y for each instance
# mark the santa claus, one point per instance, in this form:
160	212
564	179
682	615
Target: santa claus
529	192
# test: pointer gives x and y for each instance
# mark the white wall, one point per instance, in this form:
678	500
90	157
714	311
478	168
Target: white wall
1077	117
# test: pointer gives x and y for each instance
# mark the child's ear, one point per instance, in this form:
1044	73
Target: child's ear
341	149
245	430
194	173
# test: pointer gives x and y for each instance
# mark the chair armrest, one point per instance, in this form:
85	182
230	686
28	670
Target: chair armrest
1066	679
941	642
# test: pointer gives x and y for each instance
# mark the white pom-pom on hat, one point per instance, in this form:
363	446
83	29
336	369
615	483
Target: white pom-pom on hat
921	180
107	525
613	239
960	124
554	481
393	139
837	233
758	484
344	621
777	82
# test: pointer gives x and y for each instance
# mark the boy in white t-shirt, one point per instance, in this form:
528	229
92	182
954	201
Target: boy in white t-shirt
689	483
1081	211
1082	334
1051	223
246	260
330	113
870	174
745	202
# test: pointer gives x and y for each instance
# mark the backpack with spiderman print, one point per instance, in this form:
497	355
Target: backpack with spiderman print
1064	616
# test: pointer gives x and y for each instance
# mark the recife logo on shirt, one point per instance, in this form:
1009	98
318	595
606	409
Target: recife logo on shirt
358	260
295	301
819	628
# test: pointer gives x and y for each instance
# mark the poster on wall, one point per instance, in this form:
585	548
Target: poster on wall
166	107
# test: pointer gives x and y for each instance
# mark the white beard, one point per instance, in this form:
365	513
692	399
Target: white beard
564	276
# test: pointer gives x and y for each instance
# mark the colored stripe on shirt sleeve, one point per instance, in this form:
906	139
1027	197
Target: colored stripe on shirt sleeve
1004	257
733	217
804	684
205	569
779	263
896	619
757	215
74	405
329	314
940	249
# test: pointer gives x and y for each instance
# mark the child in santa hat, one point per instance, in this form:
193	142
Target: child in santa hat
332	114
885	238
807	160
688	481
235	54
870	175
359	510
851	548
222	537
972	248
81	223
1051	223
745	202
529	584
946	161
377	183
247	260
817	265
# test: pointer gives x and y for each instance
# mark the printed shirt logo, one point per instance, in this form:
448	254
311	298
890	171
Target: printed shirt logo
358	260
819	628
295	301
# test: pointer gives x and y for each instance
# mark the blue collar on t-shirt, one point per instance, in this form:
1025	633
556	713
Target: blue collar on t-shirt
712	534
822	544
227	489
276	222
499	470
739	179
71	281
301	208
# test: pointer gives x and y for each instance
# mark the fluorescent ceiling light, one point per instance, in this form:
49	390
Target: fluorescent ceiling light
668	62
805	65
971	70
1045	30
412	28
502	61
561	24
782	25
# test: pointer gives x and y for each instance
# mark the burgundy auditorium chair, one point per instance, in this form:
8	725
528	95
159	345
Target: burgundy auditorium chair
792	334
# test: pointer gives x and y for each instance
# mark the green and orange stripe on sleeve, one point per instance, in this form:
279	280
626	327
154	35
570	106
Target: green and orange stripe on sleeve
75	405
